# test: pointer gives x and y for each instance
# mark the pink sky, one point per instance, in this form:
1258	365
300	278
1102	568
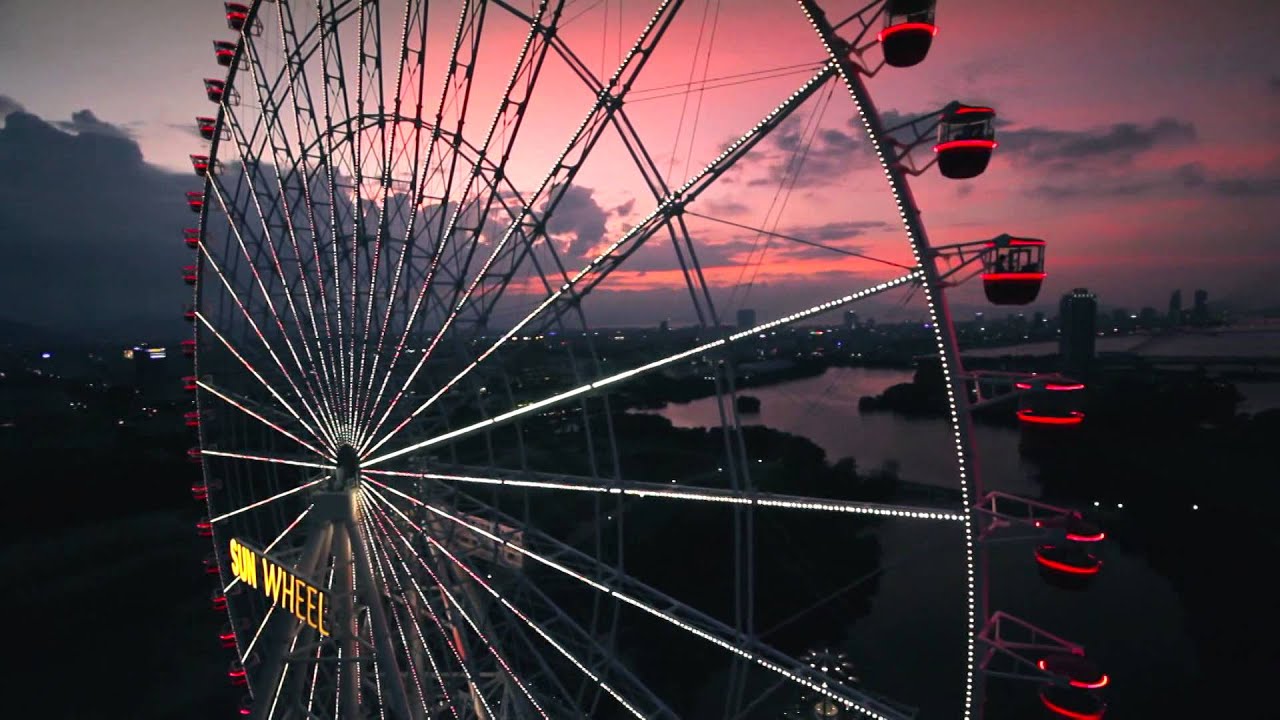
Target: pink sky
1143	140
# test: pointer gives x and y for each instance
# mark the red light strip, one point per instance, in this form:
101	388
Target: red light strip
1058	709
907	27
965	144
1086	538
1063	567
1029	416
1064	386
966	110
1091	685
1022	385
1004	276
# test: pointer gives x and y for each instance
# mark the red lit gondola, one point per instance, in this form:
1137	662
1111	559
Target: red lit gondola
193	454
1067	566
966	137
1077	670
189	383
195	201
211	566
207	126
237	15
1075	528
192	418
246	705
189	348
1072	702
204	528
218	599
215	89
200	492
200	164
189	314
1054	403
1013	270
191	236
189	274
224	52
908	31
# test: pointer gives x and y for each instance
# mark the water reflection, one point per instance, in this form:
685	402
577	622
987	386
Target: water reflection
1130	621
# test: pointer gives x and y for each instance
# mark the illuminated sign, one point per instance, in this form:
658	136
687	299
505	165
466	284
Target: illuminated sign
286	590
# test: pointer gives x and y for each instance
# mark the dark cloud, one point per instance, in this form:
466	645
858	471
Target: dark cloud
578	220
90	233
1189	176
84	121
1073	149
8	105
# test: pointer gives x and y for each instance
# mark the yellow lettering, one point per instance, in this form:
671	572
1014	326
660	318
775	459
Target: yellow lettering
311	607
286	593
273	575
320	616
234	551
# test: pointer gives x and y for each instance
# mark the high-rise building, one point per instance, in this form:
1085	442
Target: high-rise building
1077	320
850	320
1175	308
1200	308
746	318
664	326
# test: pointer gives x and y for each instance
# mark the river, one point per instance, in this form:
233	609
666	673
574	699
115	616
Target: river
910	645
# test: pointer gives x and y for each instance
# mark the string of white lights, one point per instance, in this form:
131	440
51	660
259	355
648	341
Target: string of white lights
698	350
265	458
693	493
501	599
920	250
266	501
239	406
772	662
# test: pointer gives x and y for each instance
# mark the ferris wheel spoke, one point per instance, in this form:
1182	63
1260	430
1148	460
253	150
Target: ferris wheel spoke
655	707
289	167
311	140
384	577
509	116
607	579
565	169
272	459
444	634
523	479
471	622
267	501
242	407
251	168
596	385
604	263
324	434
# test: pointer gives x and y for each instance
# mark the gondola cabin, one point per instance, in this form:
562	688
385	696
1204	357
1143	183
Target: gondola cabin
966	137
211	566
193	454
195	201
190	383
237	15
207	126
1072	702
908	31
219	600
189	348
246	706
1013	270
224	52
191	418
1067	566
239	678
214	90
190	274
1077	670
204	528
200	164
189	313
191	236
1054	403
199	492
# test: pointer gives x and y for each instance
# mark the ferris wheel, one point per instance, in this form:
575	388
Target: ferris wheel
426	491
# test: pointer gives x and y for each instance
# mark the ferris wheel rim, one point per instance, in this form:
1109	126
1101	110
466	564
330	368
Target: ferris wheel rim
915	276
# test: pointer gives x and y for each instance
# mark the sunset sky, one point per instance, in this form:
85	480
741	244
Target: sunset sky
1141	139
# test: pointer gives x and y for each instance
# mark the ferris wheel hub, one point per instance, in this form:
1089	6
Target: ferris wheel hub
346	468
